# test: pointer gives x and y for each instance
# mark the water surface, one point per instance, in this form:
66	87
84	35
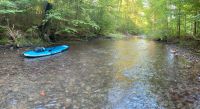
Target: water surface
102	74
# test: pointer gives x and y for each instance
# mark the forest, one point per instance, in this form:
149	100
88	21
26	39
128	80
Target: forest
25	22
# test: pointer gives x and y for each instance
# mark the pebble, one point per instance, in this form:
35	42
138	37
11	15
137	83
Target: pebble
188	66
199	78
42	93
11	48
190	99
68	103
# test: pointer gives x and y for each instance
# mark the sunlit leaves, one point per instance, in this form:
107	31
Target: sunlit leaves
10	7
10	11
56	16
159	18
7	4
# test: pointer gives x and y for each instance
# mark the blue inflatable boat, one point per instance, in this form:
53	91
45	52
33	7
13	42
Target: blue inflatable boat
41	51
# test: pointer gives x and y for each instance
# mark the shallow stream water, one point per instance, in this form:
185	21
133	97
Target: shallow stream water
102	74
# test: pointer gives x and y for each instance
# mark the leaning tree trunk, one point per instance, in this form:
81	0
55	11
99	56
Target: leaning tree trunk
44	26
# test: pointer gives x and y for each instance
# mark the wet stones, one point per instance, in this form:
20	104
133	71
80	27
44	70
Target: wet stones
184	97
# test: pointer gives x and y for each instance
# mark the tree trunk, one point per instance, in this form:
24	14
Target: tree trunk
179	24
179	19
185	25
195	26
44	25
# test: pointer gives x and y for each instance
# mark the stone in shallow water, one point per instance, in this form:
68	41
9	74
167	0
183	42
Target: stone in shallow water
67	103
51	103
40	106
199	78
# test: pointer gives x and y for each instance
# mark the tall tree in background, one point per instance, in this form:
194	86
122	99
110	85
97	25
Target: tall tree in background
162	19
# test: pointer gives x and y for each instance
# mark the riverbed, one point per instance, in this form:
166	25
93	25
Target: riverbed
101	74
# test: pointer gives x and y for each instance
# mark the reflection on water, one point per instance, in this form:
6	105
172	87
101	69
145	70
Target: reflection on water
130	84
102	74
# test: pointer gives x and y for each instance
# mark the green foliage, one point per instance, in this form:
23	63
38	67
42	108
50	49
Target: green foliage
81	18
160	19
10	11
2	29
169	19
67	30
3	40
7	4
9	7
56	16
117	35
128	26
33	32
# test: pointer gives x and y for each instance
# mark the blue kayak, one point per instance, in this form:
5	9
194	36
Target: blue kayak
41	51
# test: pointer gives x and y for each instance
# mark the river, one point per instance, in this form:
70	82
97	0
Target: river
101	74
